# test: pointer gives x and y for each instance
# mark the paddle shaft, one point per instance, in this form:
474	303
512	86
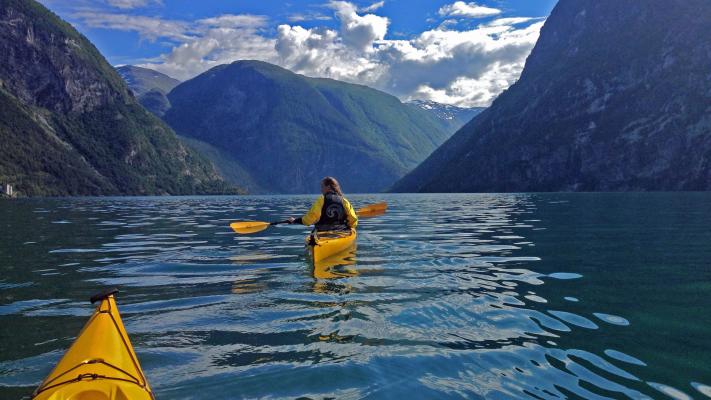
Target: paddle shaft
248	227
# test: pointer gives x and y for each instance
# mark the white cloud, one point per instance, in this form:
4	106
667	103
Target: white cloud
220	41
472	92
359	31
147	27
308	17
467	67
373	7
153	28
320	52
130	4
234	21
468	10
459	67
510	21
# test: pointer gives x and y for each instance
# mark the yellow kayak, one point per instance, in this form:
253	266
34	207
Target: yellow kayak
337	266
322	245
100	364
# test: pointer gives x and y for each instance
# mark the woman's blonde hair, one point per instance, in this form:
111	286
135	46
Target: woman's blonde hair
331	183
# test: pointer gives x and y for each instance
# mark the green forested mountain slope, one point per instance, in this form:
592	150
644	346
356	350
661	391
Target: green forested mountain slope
287	131
69	124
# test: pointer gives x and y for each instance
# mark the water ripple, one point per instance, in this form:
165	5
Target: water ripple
442	299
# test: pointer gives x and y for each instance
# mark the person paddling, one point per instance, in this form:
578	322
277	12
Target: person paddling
331	211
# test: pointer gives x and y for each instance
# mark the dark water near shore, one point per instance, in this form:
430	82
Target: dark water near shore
541	296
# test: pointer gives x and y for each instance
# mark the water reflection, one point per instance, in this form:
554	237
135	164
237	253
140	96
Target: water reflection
339	265
472	296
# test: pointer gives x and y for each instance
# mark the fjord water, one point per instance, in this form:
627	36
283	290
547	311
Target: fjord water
541	296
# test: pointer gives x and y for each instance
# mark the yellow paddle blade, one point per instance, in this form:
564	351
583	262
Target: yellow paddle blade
372	210
249	227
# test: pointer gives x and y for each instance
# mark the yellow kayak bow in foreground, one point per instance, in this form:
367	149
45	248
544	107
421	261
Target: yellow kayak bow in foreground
100	364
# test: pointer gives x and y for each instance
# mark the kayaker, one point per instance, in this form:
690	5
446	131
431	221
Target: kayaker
331	211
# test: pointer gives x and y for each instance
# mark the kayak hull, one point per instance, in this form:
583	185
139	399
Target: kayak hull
100	365
322	245
337	266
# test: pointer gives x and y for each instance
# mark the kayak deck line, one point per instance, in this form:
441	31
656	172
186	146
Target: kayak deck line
98	377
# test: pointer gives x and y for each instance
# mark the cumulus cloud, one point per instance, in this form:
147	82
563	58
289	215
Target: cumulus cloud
359	31
468	10
461	67
320	52
466	67
217	41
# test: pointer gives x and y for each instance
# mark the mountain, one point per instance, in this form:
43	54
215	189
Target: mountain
287	131
69	124
155	101
150	87
615	96
143	80
451	117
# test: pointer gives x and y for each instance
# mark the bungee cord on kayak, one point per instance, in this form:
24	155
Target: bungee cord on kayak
100	362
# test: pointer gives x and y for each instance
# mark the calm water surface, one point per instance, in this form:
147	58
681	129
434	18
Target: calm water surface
451	296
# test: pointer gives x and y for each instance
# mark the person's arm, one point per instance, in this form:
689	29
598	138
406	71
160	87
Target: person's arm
313	215
350	214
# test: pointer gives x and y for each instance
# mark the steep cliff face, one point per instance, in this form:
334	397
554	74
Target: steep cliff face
287	131
50	65
616	95
70	125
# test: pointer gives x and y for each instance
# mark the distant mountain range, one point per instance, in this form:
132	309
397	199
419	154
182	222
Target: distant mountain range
143	80
150	87
283	131
452	116
616	96
69	124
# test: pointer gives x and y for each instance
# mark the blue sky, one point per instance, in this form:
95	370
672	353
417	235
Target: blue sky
453	52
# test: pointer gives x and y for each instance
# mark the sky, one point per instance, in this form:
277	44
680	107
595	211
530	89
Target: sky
453	52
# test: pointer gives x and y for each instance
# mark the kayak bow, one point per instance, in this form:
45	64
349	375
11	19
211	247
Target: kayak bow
100	364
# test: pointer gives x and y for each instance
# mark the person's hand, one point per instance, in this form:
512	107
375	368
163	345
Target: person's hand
291	220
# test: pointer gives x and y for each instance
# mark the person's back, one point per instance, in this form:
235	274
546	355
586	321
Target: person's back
331	211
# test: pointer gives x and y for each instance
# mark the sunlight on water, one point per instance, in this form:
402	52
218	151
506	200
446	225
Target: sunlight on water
445	296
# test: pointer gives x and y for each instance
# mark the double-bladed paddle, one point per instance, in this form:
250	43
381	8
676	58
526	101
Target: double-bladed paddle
247	227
